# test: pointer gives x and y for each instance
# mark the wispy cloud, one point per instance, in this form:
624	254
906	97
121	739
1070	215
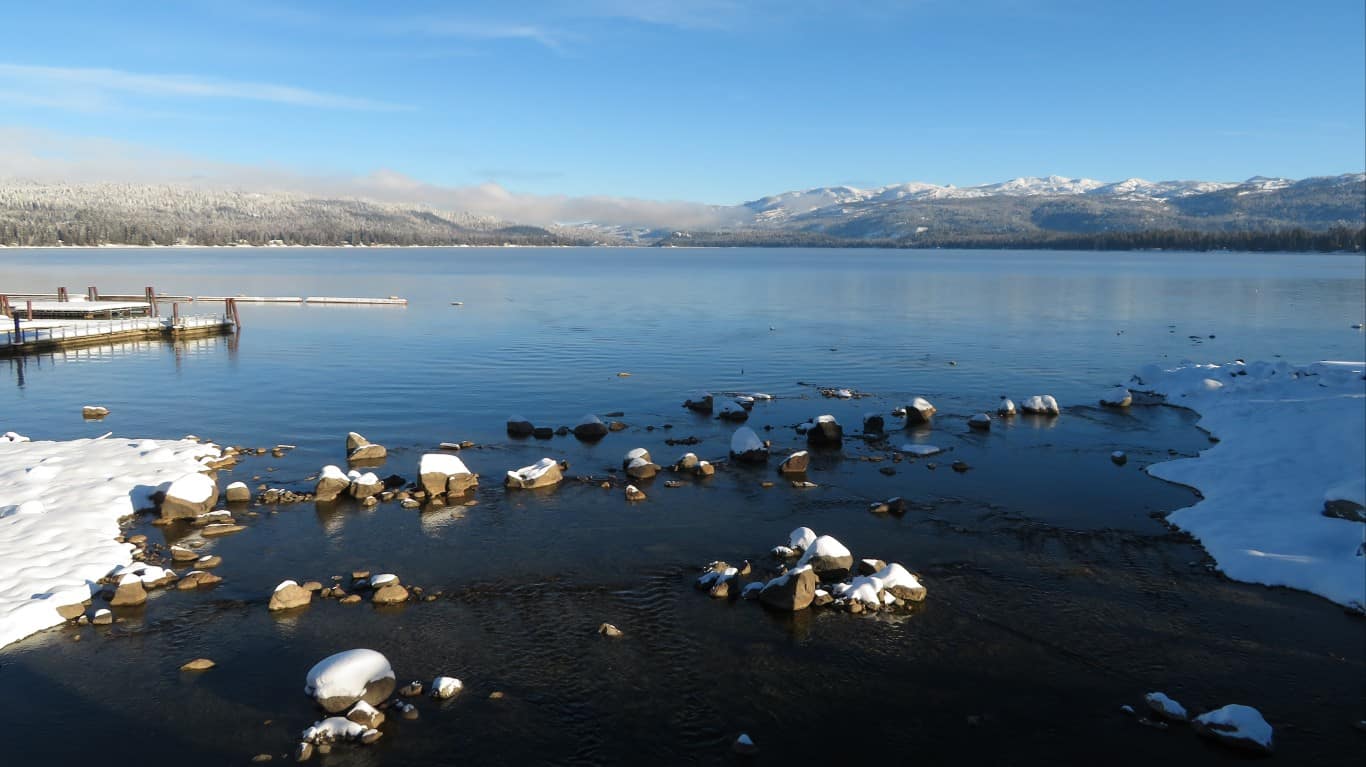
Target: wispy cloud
470	29
58	85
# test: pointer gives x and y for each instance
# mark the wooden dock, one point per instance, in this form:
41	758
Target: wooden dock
32	323
40	336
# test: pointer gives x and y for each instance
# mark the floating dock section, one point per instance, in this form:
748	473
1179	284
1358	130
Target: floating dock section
32	323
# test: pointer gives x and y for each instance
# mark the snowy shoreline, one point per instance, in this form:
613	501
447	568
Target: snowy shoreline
61	504
1289	439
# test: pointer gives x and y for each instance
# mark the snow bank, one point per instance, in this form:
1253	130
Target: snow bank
1287	436
82	487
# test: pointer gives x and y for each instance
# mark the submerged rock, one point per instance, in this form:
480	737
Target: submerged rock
873	424
1118	398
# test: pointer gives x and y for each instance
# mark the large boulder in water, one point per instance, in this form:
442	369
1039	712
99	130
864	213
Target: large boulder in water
796	463
703	404
441	473
828	557
1241	727
288	596
366	485
873	423
1040	404
825	432
638	465
544	473
733	412
332	482
590	428
520	427
339	681
791	591
919	412
746	446
190	496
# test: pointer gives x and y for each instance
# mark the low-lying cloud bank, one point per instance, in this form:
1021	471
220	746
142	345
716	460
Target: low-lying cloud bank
27	155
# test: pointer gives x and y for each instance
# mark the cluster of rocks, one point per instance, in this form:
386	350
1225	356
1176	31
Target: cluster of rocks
735	407
383	589
590	428
1239	727
824	574
357	688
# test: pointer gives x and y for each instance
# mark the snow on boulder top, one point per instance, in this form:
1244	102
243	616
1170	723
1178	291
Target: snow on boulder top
382	579
761	396
1007	406
745	441
896	575
346	674
863	589
195	488
921	404
801	538
589	419
824	546
825	419
1041	403
1165	706
535	470
1237	723
13	436
441	463
332	472
286	584
368	478
921	450
332	729
639	452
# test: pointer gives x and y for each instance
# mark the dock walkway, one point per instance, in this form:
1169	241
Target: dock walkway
38	336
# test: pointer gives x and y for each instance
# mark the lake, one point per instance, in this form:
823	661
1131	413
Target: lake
1056	594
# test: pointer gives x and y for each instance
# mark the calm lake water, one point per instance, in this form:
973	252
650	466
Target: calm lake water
1055	595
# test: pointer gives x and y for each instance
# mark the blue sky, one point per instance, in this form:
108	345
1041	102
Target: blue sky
712	100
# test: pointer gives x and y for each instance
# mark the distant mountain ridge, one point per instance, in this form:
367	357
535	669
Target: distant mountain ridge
916	214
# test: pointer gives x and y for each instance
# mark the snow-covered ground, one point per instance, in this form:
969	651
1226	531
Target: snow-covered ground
60	506
1287	436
